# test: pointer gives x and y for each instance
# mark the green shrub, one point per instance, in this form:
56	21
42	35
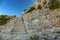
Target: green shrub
31	9
54	4
25	9
3	20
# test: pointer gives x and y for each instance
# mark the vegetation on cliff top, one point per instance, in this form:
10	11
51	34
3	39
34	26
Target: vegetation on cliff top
30	9
54	4
5	18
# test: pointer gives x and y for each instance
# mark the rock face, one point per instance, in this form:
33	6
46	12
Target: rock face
37	21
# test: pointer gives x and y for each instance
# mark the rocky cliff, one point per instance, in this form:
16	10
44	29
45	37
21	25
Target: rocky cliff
39	18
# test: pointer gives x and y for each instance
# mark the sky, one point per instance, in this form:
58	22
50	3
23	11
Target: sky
14	7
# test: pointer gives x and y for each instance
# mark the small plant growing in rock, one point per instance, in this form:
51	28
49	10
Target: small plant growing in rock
39	7
25	9
54	4
34	37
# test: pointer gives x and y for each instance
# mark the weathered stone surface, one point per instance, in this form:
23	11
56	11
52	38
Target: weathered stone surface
39	21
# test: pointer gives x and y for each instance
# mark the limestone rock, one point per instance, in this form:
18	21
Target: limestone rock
37	21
